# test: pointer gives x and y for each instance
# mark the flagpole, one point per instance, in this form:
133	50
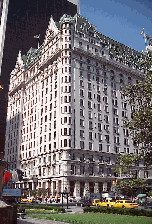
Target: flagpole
37	37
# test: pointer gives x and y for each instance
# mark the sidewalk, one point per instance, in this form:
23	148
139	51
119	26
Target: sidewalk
30	220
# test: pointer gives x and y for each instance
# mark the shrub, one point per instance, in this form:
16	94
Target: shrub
120	211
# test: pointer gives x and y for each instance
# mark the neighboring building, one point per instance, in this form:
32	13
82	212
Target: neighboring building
65	126
3	20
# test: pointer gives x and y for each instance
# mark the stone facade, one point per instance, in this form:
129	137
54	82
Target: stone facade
65	126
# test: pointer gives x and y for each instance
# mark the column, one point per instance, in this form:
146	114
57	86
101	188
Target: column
86	190
33	188
96	188
57	188
105	186
77	189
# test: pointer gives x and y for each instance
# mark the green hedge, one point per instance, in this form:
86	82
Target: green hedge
59	209
120	211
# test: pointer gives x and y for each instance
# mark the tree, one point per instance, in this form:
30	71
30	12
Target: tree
139	97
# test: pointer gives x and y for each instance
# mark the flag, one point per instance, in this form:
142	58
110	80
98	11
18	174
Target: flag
37	36
142	32
15	176
6	177
145	38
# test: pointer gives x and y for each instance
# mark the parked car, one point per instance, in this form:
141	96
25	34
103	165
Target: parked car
30	200
24	200
95	201
83	203
106	203
124	204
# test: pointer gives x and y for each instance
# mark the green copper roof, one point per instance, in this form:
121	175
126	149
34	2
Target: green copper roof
32	56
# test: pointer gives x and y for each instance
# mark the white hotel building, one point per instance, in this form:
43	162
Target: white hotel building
65	111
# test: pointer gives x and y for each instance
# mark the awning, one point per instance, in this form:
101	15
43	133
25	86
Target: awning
141	195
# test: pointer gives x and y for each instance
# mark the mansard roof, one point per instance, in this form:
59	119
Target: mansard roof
82	26
32	56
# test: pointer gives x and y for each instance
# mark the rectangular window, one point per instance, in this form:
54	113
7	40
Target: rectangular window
81	144
81	134
90	124
100	147
81	102
82	170
90	135
90	145
91	171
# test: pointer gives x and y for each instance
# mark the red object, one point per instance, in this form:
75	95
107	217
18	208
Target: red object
6	177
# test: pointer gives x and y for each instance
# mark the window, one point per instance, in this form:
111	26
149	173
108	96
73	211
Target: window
65	119
81	83
108	148
99	107
81	134
90	135
100	147
116	140
81	102
99	137
89	95
73	169
98	98
69	99
69	120
81	123
107	138
69	142
54	124
115	111
81	113
90	171
54	145
82	157
69	131
65	108
106	109
89	86
89	105
82	170
90	115
90	124
90	145
81	144
99	127
100	170
81	92
65	142
89	77
69	109
65	131
65	99
72	156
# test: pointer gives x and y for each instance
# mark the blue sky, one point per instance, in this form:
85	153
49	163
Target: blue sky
120	21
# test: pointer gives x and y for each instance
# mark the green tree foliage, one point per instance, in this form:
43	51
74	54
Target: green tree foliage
139	97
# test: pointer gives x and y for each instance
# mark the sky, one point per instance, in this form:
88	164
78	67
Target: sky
121	20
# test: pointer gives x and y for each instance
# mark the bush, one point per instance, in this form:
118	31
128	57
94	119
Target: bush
59	209
120	211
